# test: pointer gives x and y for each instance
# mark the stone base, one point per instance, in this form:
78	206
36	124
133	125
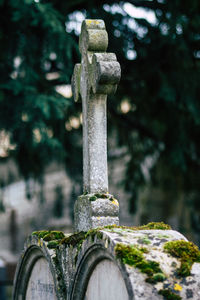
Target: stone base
95	210
99	265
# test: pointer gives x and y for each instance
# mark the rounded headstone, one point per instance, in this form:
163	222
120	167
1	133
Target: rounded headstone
110	263
106	283
37	275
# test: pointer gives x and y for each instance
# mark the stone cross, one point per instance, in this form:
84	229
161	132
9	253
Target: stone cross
96	77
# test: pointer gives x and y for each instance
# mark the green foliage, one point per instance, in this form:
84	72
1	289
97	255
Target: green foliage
33	44
187	252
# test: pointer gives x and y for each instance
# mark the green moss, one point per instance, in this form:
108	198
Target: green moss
74	239
61	283
102	196
93	233
169	295
52	244
187	252
154	225
158	277
40	234
149	226
133	256
48	235
54	235
96	196
93	198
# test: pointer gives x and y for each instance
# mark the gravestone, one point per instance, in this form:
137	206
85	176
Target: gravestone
102	260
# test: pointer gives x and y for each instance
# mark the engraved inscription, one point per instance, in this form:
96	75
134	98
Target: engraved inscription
41	285
41	288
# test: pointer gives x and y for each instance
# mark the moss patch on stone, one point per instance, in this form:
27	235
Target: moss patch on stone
133	256
40	234
93	198
154	226
61	283
169	295
78	238
149	226
54	235
53	244
187	252
96	196
74	239
48	235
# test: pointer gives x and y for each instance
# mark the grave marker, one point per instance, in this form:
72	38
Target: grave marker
111	262
96	77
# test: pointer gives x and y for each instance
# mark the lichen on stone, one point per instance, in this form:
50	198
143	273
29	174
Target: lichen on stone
187	252
144	240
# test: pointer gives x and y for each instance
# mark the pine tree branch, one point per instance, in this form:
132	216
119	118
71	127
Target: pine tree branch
125	121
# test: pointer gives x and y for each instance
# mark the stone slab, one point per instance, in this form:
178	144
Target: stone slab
40	284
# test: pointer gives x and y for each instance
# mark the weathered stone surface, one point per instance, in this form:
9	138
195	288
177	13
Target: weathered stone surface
93	36
89	213
38	276
96	77
80	266
41	284
108	274
93	79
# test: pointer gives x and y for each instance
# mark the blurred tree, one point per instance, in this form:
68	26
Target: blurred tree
156	112
58	202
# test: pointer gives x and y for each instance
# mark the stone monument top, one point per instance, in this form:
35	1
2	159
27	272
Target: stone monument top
96	77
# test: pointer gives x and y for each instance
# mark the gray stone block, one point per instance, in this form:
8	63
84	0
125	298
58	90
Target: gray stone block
91	211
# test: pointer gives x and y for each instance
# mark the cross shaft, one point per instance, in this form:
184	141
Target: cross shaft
96	77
